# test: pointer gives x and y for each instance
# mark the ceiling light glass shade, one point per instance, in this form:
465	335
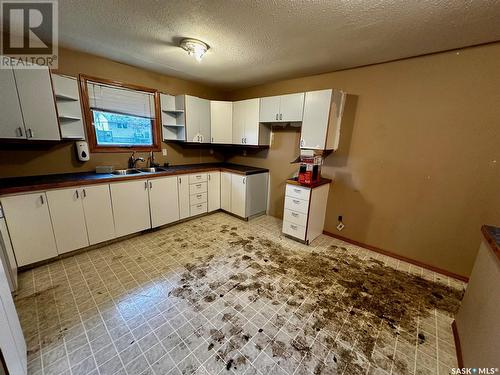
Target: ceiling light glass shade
194	47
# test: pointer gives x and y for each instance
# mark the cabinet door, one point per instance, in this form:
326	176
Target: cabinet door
130	206
251	122
315	120
221	122
238	122
37	104
192	121
30	227
163	200
98	212
292	107
183	185
269	109
68	220
204	119
238	195
213	191
12	120
225	191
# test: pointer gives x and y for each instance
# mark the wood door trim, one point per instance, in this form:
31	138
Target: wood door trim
458	346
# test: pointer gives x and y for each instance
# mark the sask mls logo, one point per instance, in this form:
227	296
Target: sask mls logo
29	33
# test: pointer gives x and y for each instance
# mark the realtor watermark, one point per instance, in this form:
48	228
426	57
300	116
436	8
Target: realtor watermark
474	370
29	34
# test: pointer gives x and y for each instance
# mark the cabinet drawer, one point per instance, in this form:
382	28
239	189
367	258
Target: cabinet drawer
297	192
294	230
200	177
295	204
200	187
199	208
295	217
198	198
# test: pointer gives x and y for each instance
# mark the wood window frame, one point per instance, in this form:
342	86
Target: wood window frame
89	127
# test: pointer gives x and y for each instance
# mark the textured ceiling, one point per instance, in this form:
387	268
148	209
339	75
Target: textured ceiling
256	41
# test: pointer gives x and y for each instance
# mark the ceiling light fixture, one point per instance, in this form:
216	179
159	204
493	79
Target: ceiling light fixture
194	47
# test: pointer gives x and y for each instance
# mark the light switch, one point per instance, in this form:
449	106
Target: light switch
164	151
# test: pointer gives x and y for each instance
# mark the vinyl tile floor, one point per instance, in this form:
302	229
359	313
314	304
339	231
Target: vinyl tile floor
219	295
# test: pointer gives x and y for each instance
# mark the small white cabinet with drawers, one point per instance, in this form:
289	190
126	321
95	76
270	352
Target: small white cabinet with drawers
305	209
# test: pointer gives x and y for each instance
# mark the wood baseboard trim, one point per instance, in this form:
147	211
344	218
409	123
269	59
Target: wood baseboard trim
458	347
399	257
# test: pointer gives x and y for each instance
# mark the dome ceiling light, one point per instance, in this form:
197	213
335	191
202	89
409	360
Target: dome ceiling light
194	47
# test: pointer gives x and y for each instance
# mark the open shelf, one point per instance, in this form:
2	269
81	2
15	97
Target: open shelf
69	118
64	97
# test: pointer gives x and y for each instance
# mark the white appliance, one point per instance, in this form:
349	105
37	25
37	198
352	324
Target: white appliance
7	258
12	343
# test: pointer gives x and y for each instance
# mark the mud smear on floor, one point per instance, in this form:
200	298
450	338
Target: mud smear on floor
346	301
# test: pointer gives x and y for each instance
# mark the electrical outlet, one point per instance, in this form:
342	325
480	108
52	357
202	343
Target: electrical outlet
340	226
164	151
340	217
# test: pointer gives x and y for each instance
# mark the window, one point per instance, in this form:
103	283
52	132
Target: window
120	117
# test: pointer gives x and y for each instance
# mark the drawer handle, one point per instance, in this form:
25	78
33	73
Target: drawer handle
297	191
294	227
199	206
198	185
77	195
295	201
41	199
295	214
198	177
198	196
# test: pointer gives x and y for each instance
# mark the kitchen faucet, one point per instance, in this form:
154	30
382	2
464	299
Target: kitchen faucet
132	161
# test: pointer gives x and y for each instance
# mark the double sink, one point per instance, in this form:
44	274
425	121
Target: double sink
123	172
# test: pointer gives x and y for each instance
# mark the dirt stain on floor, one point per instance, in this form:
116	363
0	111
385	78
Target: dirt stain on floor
350	302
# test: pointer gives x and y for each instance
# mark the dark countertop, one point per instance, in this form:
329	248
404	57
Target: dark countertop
32	183
322	181
492	236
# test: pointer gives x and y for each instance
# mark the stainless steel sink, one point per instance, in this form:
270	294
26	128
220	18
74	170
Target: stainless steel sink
122	172
152	169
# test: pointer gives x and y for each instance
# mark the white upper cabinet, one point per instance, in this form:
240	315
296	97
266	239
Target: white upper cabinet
269	109
221	121
282	108
197	115
322	119
12	119
68	219
98	212
30	227
246	127
27	105
163	200
36	96
130	206
291	107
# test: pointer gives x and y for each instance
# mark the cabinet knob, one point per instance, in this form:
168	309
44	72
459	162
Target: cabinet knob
244	179
281	116
77	195
41	199
30	133
276	116
19	131
150	185
84	193
145	185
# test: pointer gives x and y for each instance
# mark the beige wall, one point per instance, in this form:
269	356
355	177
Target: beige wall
418	170
18	159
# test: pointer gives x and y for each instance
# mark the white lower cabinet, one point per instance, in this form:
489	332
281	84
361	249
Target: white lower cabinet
68	219
238	194
183	185
130	206
163	201
98	212
243	195
305	209
30	227
214	198
225	191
